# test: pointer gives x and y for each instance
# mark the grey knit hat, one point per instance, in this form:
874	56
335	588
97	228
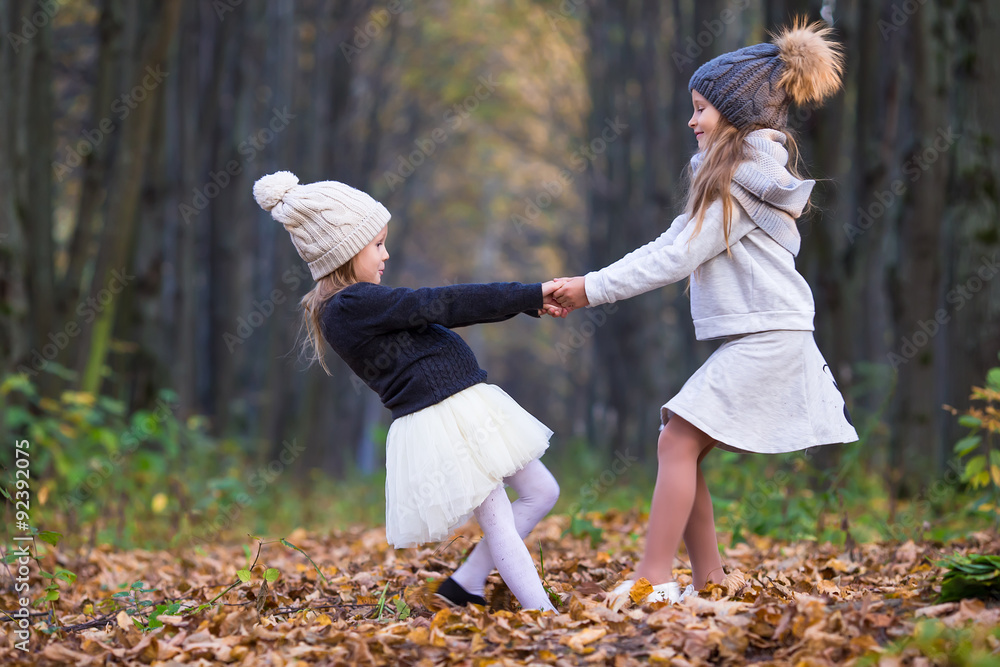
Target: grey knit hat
754	86
329	222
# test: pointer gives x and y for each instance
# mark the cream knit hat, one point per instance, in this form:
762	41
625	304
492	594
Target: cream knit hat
329	222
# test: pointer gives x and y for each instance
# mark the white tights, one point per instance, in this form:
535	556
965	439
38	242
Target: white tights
505	525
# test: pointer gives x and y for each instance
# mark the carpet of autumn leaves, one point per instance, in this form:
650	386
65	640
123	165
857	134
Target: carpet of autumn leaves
787	604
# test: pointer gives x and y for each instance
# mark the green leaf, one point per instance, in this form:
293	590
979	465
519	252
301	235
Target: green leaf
66	576
5	494
969	421
244	575
49	536
123	594
271	574
403	610
52	596
19	383
967	444
137	584
976	465
17	417
993	379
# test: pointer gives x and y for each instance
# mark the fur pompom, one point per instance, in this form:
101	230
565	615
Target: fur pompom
268	190
814	63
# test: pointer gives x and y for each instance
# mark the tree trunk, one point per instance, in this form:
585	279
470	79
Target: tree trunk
35	200
972	219
114	258
917	287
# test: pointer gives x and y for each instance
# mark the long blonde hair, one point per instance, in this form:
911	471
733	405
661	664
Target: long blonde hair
726	150
312	307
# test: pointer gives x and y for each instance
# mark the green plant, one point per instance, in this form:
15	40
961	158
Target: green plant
580	526
129	601
552	595
973	576
969	646
978	448
51	592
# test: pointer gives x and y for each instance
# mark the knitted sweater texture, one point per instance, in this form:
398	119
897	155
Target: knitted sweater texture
399	340
756	287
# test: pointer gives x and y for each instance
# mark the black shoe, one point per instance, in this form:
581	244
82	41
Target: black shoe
456	596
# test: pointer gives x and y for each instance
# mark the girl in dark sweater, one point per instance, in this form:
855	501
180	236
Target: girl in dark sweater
455	441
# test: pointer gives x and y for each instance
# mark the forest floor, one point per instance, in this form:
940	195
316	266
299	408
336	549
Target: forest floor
782	603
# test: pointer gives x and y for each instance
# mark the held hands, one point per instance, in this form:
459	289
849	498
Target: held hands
571	293
550	305
563	295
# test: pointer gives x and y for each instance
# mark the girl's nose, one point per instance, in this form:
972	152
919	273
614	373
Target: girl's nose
691	122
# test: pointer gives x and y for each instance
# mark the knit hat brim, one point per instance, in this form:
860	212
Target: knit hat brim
369	227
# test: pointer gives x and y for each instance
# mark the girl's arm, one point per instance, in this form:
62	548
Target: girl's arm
666	263
384	309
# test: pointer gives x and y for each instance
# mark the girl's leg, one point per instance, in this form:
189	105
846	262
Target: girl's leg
700	538
537	492
496	518
678	449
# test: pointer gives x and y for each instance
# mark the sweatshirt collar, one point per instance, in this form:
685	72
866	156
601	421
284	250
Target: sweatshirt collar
766	190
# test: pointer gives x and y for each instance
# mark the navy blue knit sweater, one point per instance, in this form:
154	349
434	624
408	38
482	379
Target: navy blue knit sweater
398	340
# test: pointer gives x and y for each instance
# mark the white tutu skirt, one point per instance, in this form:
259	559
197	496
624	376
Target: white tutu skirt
441	462
768	392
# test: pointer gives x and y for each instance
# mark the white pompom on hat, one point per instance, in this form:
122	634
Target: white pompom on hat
329	222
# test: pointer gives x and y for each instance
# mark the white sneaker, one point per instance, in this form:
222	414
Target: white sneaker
668	592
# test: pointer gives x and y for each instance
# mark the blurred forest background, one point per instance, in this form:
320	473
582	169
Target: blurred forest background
148	307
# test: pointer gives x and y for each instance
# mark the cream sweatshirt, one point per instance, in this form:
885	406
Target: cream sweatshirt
756	287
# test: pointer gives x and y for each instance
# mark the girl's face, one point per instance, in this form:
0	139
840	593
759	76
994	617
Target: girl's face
370	262
704	119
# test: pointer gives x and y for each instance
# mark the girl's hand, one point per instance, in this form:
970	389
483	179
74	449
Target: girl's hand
571	293
550	306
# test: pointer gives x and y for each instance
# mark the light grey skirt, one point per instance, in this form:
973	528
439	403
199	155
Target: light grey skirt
768	392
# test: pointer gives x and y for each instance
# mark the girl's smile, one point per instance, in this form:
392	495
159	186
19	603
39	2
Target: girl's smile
704	119
369	264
